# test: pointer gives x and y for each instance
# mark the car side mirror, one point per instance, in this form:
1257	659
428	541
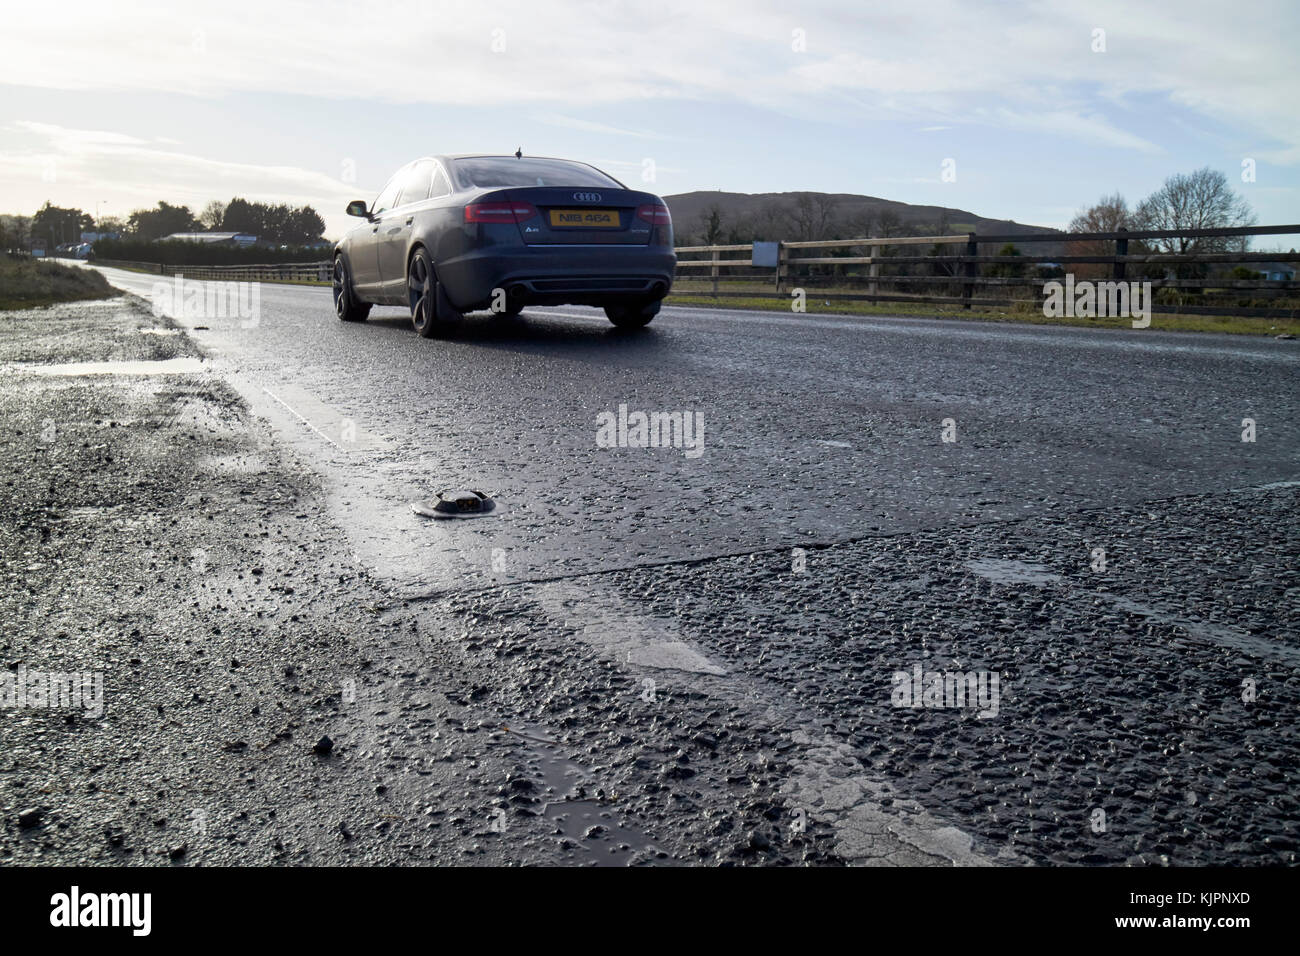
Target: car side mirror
358	208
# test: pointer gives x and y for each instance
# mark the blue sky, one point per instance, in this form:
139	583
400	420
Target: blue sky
319	102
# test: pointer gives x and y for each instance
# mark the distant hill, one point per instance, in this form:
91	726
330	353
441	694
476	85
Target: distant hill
747	216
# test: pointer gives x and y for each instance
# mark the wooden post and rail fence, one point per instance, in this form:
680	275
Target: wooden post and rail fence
831	264
882	271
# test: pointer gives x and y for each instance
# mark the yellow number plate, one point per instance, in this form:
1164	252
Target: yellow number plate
591	218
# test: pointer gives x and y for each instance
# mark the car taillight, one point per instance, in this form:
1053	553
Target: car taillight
655	214
499	211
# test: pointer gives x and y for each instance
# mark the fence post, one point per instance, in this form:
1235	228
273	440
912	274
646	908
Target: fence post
969	286
874	286
780	265
1121	249
713	269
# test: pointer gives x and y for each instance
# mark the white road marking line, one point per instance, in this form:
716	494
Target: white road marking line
324	419
293	411
1009	573
874	823
605	621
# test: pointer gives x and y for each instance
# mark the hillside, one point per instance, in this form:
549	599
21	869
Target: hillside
758	213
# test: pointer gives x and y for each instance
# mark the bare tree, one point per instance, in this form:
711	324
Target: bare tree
1199	200
770	223
813	215
1108	214
890	223
863	224
212	215
827	213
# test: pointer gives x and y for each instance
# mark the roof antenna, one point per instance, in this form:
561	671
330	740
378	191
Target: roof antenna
519	152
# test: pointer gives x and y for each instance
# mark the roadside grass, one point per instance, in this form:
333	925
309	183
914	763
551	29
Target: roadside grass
32	283
1026	313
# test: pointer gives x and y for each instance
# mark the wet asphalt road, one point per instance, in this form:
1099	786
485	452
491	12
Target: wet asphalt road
816	430
1123	671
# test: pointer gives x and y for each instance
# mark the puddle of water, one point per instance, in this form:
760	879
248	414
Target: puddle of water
1001	571
175	366
590	824
593	828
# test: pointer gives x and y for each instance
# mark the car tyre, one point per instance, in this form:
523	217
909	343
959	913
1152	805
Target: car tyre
346	305
431	310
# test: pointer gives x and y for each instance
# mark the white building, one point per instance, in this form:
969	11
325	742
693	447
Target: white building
228	238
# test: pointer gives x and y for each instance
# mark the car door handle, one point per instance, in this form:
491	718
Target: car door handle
410	220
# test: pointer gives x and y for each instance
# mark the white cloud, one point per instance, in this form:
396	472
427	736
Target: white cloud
589	126
76	164
942	62
1093	128
1025	67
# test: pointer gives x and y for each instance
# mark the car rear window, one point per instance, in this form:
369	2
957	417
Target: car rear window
494	171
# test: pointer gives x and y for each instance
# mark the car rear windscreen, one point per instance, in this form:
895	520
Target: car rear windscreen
494	171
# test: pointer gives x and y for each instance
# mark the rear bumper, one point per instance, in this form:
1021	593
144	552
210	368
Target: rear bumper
554	275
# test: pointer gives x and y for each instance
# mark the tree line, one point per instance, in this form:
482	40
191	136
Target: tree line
277	223
1202	199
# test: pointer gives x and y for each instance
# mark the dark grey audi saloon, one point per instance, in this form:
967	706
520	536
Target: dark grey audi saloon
456	234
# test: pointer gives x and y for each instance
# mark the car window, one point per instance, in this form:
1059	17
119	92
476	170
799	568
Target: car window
415	184
440	185
492	171
388	197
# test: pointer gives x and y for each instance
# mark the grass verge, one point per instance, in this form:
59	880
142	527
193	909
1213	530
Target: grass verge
32	283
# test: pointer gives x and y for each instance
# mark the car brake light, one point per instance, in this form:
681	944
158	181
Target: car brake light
499	211
655	214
